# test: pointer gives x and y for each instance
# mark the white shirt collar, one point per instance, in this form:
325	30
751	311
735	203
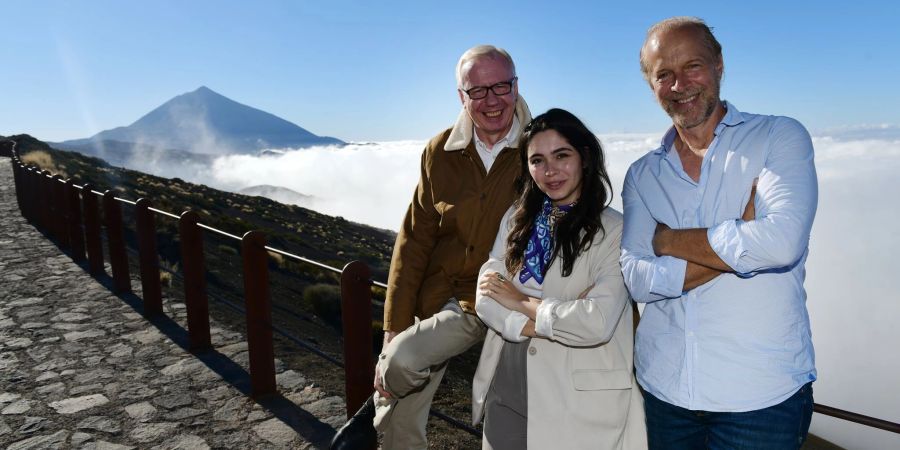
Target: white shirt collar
502	143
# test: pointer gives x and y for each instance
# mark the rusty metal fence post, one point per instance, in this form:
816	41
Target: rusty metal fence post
28	195
18	179
35	197
46	214
257	300
356	317
148	258
92	230
38	189
195	300
76	236
118	259
23	189
59	211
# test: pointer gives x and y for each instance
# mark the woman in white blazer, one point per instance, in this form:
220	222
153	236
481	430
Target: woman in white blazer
556	367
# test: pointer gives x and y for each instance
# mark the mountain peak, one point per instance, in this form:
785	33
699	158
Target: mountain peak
204	121
203	91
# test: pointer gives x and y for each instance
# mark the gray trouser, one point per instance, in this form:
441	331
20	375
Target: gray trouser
412	366
506	404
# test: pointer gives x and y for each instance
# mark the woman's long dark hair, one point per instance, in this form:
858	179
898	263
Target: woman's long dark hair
575	231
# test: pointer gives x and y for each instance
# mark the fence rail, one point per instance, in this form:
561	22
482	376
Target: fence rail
70	214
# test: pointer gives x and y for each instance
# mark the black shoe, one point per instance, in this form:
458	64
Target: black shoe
358	433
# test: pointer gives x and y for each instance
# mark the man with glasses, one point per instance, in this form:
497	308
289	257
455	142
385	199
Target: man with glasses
468	174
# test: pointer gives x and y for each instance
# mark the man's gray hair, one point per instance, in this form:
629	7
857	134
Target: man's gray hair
480	51
674	23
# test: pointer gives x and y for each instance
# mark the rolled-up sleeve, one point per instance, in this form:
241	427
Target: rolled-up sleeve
648	277
545	317
590	320
786	200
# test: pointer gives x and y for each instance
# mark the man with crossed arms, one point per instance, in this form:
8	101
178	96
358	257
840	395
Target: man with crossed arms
716	234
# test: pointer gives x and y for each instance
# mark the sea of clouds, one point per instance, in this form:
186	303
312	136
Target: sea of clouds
853	295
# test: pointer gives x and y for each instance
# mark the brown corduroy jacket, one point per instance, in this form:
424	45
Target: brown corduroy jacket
450	225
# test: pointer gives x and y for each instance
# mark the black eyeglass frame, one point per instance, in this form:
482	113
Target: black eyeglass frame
493	88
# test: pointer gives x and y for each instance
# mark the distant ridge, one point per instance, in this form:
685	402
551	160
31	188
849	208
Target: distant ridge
202	122
278	193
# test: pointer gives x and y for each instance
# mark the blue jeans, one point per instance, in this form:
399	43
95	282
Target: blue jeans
782	426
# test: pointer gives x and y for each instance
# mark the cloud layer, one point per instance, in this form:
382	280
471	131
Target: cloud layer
368	183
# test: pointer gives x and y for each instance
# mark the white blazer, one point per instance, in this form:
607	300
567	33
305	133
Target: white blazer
582	393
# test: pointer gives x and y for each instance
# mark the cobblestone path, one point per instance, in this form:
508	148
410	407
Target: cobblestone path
81	368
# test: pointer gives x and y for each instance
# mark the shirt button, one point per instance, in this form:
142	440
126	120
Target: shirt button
690	333
532	351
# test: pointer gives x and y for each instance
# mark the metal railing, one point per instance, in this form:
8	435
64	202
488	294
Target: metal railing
76	216
64	209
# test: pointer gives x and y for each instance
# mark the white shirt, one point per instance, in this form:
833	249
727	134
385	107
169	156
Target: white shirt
488	154
742	341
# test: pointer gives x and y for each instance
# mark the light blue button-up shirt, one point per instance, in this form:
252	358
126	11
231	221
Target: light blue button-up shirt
741	341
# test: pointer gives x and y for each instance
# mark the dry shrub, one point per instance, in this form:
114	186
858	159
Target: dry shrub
277	258
325	300
165	279
43	160
227	249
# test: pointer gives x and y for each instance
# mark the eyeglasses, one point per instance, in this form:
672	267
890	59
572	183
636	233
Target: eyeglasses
501	88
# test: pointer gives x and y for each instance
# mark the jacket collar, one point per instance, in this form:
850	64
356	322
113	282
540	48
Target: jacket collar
463	130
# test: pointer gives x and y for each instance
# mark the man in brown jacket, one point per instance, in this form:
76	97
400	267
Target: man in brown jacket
467	182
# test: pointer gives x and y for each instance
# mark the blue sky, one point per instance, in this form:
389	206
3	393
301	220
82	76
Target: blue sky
384	70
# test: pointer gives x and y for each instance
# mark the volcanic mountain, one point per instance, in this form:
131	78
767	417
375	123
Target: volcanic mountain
200	122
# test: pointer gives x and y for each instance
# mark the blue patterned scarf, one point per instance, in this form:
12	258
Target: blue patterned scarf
540	244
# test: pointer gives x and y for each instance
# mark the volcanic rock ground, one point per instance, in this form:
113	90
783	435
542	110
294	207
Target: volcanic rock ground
81	368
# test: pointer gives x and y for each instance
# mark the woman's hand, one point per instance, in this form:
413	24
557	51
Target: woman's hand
497	287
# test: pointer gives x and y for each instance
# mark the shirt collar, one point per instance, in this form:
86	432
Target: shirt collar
732	117
502	143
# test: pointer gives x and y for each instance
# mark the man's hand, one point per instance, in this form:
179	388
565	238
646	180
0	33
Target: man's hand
379	383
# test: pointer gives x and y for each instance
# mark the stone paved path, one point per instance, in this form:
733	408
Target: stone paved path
81	368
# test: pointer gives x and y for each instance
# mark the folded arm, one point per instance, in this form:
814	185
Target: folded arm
778	233
513	325
591	318
692	245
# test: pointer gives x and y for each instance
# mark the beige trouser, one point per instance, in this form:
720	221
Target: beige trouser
412	366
